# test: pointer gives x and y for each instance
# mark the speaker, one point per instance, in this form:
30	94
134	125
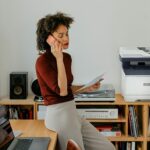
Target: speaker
36	90
18	85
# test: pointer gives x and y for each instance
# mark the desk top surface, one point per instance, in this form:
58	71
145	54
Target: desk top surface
34	128
29	101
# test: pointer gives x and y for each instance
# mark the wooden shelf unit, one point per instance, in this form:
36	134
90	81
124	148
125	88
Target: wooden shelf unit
37	104
29	102
143	107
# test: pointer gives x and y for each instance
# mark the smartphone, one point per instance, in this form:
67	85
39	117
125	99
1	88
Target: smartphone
51	40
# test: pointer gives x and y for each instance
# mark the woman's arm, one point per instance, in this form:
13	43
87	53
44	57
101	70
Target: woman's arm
62	78
56	49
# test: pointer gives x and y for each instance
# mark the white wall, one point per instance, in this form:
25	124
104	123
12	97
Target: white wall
100	28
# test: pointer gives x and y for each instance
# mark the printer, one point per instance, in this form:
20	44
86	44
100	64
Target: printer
135	73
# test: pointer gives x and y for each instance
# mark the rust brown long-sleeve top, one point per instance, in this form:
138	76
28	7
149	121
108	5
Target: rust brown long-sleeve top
46	70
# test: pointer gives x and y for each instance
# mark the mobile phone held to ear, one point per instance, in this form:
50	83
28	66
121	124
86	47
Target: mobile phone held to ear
50	40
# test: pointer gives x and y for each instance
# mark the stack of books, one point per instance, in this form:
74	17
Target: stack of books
20	112
133	122
109	130
127	146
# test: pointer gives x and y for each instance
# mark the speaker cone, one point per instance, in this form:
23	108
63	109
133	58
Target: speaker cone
18	90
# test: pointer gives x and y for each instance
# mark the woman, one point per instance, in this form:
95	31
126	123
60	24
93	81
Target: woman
55	78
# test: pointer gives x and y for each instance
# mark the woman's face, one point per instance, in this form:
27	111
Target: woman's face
61	34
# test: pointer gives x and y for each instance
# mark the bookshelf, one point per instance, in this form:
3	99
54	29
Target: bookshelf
21	105
142	141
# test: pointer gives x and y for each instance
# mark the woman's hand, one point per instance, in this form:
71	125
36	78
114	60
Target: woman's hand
56	47
93	87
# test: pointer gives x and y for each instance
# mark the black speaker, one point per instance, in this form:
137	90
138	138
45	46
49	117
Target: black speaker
18	85
36	90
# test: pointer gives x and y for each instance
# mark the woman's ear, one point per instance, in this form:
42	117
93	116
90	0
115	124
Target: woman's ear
50	40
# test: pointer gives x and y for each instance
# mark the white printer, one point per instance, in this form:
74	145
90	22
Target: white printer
135	73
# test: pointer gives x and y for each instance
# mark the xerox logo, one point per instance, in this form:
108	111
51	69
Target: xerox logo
146	84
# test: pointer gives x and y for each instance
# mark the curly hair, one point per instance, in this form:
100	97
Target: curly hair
48	25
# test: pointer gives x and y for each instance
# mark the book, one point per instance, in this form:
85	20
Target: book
132	145
111	133
136	120
106	127
92	82
109	130
130	124
133	123
128	146
148	128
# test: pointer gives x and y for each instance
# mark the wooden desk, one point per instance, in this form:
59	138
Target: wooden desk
34	128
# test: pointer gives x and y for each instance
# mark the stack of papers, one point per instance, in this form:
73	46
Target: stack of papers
106	92
94	81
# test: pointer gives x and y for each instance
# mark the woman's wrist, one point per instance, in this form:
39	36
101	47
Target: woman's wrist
59	59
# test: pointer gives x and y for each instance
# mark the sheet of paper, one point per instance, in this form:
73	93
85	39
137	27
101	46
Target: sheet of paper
95	80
